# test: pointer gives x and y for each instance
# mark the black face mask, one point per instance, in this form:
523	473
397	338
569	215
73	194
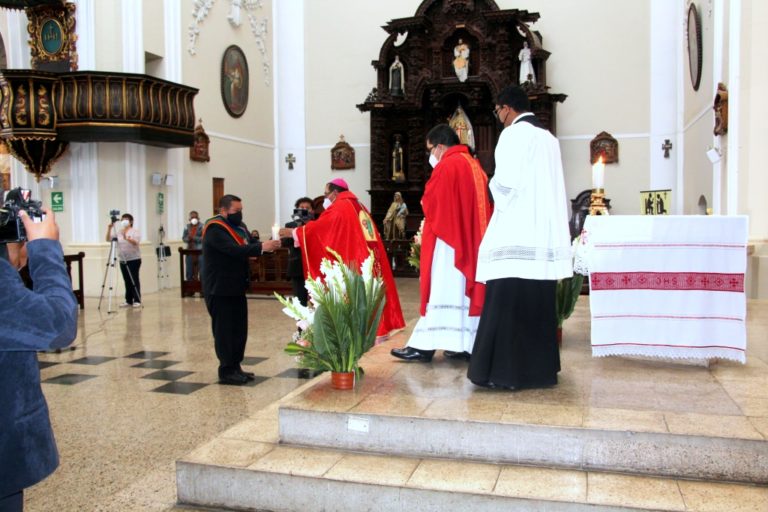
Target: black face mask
235	218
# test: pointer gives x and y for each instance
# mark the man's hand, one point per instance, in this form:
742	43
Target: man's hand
47	229
285	233
270	245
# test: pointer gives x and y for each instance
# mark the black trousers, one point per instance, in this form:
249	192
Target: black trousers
132	285
229	322
516	341
300	290
12	503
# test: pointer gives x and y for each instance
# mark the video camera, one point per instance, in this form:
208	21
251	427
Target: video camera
301	216
11	226
114	216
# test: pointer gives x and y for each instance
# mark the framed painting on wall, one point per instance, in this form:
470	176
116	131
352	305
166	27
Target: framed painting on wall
234	81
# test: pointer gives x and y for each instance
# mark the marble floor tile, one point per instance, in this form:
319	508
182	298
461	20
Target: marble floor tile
706	497
455	476
229	452
542	483
624	419
297	461
373	469
711	425
632	491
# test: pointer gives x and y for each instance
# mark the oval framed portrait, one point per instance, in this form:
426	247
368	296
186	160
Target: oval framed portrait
694	46
234	81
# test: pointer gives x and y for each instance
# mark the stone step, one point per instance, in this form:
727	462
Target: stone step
494	427
246	469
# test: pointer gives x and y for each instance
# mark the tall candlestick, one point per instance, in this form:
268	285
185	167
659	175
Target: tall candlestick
598	174
275	232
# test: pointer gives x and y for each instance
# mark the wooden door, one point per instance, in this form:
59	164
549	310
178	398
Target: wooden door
218	193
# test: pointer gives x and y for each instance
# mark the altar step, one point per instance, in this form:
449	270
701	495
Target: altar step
530	440
247	469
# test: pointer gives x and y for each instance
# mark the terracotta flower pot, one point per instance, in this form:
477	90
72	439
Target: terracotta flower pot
342	380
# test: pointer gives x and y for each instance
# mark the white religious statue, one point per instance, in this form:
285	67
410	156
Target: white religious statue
463	127
234	13
461	60
396	78
526	66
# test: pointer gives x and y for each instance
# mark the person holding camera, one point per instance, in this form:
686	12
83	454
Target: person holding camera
227	247
43	318
295	272
129	254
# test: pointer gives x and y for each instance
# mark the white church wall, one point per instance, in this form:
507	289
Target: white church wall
109	35
241	148
153	23
607	84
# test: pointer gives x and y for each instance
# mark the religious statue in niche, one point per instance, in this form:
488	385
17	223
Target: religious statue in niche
606	146
526	66
396	78
199	149
342	155
394	220
463	127
461	60
398	168
721	110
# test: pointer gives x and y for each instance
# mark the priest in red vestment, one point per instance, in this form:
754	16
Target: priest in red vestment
456	215
346	227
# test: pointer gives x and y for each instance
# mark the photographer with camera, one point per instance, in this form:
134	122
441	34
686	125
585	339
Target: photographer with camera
302	214
40	319
129	254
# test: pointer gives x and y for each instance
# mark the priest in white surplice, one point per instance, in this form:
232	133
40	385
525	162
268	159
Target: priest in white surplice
525	250
456	214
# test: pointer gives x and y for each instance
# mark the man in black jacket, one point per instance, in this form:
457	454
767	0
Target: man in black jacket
226	249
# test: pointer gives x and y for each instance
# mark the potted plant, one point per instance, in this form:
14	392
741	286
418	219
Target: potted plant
340	324
414	254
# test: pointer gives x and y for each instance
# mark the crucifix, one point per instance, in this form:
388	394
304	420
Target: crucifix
666	147
290	160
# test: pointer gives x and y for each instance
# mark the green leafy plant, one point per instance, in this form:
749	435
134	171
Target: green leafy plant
340	324
414	255
568	291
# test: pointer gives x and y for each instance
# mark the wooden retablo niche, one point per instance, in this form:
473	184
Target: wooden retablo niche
447	64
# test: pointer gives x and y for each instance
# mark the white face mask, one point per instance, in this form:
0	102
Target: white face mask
327	203
194	222
433	161
125	223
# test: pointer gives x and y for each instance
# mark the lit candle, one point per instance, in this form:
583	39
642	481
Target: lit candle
275	232
598	174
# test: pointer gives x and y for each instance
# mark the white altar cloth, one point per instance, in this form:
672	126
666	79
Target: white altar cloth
667	286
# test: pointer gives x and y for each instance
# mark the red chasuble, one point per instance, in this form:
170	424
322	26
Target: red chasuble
347	228
457	211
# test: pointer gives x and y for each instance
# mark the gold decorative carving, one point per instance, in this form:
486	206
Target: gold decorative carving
43	107
52	37
20	107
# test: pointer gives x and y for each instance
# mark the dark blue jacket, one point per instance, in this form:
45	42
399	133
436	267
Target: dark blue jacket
29	321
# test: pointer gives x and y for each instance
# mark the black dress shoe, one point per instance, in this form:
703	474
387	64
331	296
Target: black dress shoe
248	375
233	379
412	354
450	354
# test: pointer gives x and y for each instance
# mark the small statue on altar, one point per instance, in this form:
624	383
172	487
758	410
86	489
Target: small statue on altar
396	78
394	220
463	127
526	66
398	169
461	60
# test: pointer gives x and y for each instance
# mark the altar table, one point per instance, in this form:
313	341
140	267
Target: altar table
667	286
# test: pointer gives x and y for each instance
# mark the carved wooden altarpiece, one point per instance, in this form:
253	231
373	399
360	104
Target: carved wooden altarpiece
433	92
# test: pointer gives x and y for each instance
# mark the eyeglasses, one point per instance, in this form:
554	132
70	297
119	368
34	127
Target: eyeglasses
496	112
429	150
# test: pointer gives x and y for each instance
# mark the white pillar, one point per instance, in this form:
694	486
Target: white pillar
83	158
663	93
175	157
734	105
135	154
289	91
718	31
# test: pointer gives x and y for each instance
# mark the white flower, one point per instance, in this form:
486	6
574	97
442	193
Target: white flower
366	269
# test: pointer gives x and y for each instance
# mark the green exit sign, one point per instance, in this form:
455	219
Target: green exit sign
57	201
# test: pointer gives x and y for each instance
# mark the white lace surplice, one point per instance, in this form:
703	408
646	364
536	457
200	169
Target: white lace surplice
447	324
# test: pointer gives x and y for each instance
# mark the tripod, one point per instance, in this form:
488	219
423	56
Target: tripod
110	274
163	252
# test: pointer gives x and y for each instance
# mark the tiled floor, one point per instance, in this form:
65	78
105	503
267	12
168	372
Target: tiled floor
139	392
